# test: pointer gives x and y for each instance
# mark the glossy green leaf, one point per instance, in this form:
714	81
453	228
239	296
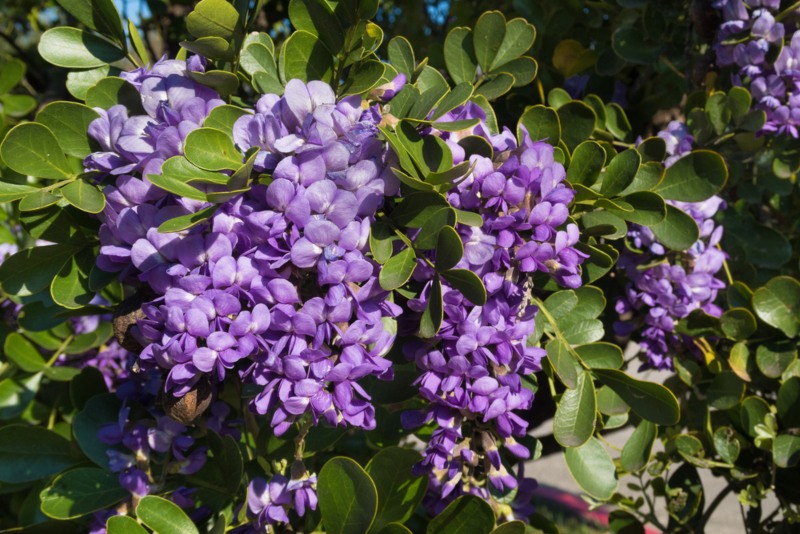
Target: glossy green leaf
185	222
636	452
752	413
620	172
223	82
577	123
123	524
786	450
496	86
601	355
17	105
79	82
97	412
98	15
449	249
213	18
738	323
694	178
70	287
429	231
609	403
788	403
138	43
431	319
466	514
725	391
517	39
726	444
488	35
32	149
258	58
163	516
77	49
648	400
112	91
401	56
574	420
84	196
318	19
398	269
31	270
468	283
592	468
564	362
773	358
678	231
523	70
11	73
29	453
629	44
212	150
778	304
364	77
16	394
399	491
82	491
587	161
459	55
541	123
70	121
304	56
23	353
617	122
348	498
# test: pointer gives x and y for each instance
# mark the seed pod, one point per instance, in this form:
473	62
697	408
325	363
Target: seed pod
191	406
125	316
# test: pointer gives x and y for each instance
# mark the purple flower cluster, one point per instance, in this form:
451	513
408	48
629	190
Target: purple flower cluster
672	285
472	372
746	39
141	444
275	286
268	503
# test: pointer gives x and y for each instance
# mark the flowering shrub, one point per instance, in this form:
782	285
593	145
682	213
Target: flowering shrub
302	281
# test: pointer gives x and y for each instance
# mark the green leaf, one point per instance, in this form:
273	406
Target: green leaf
223	118
488	38
773	358
496	86
32	149
112	91
401	56
466	514
317	19
636	452
738	323
10	192
609	403
397	270
123	524
71	122
449	249
212	150
652	149
678	231
725	391
459	55
577	123
29	453
381	242
80	492
459	95
98	15
79	82
726	444
587	161
304	56
16	394
603	223
620	173
649	209
138	43
788	403
185	222
399	492
694	178
363	77
778	304
601	355
429	231
541	123
617	122
70	287
30	271
523	70
416	209
213	18
574	420
685	492
98	411
163	516
564	362
432	317
592	468
468	283
223	82
648	400
518	39
211	47
84	196
752	413
17	105
786	450
258	58
23	353
348	498
77	49
11	73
